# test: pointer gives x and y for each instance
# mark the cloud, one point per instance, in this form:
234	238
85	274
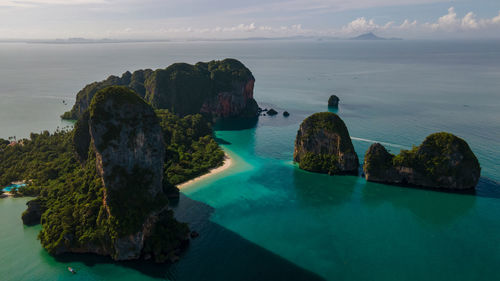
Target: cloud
240	27
449	23
408	25
227	19
239	30
360	25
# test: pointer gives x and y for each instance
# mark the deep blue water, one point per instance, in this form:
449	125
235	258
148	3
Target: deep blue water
264	219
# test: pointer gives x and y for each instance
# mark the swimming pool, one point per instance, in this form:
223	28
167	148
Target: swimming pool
13	186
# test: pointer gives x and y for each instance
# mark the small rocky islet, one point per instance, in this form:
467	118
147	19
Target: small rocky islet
333	101
323	145
442	161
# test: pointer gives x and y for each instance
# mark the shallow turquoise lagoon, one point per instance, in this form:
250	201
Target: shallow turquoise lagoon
265	219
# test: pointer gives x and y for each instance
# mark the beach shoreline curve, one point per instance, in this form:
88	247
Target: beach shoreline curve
228	162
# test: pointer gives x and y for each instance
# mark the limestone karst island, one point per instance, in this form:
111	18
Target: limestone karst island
249	141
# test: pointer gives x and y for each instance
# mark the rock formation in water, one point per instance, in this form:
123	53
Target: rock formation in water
442	161
333	101
34	212
272	112
323	145
218	88
120	139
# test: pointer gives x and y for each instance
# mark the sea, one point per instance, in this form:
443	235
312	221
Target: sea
264	218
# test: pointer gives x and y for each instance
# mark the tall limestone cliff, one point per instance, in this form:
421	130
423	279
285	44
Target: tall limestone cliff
323	145
120	145
442	161
218	88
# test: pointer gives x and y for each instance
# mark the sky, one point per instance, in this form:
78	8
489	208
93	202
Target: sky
224	19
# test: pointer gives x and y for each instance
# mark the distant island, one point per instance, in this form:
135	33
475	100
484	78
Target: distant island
371	36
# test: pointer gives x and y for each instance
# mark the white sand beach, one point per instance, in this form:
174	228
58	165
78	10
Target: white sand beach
227	163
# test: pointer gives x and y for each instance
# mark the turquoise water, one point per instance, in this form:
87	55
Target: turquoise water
264	219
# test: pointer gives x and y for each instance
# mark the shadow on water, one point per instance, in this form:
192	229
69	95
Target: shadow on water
235	124
485	188
434	207
217	254
488	188
329	190
222	141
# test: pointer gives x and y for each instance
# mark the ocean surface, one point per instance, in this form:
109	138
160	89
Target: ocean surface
265	219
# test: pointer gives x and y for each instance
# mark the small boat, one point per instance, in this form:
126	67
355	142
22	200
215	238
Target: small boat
72	270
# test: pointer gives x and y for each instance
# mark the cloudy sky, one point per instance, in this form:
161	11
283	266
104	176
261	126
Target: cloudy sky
163	19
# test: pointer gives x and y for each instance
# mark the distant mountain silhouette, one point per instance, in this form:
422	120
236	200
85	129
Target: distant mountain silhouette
371	36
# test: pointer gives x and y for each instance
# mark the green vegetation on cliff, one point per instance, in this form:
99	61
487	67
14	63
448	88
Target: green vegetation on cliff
191	149
224	73
331	123
74	215
319	163
61	170
442	160
41	159
76	218
183	89
4	143
438	156
133	81
378	161
323	145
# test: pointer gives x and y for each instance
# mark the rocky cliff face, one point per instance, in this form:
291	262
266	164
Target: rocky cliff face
323	145
237	102
378	165
134	81
129	157
441	161
34	212
120	138
333	101
219	88
127	139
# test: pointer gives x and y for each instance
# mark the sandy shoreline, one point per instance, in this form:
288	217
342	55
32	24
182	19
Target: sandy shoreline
6	194
228	161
